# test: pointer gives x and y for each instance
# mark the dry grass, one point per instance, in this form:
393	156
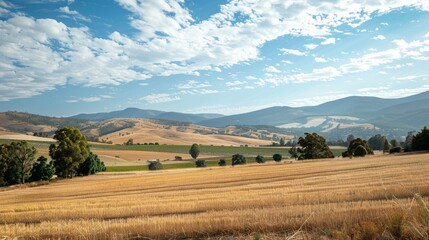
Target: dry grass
369	197
150	131
132	158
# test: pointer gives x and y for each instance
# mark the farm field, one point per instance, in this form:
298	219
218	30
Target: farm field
337	198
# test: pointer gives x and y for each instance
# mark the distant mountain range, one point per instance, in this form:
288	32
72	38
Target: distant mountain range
357	115
150	114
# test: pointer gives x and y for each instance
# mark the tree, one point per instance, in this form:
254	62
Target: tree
42	170
356	143
396	150
282	142
293	151
377	142
238	159
3	165
313	146
129	142
19	158
421	140
155	165
91	165
393	143
350	138
200	163
194	151
360	151
222	162
277	157
386	146
71	150
408	145
260	159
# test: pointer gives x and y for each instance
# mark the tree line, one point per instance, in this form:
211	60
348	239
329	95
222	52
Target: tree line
70	156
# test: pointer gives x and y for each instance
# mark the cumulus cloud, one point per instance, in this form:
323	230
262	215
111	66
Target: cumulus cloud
272	69
320	60
404	50
328	41
295	52
193	84
311	46
379	37
235	83
168	41
74	14
160	98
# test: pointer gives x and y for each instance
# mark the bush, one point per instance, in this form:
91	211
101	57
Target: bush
360	151
396	150
238	159
155	165
260	159
91	165
200	163
277	157
178	158
42	170
222	162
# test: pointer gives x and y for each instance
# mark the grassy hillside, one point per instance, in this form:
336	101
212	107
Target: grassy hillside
334	199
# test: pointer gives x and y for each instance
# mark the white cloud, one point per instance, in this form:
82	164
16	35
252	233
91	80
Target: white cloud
235	83
252	78
191	84
169	41
363	63
385	23
411	77
379	37
427	35
87	99
272	69
198	91
395	93
328	41
311	46
320	60
287	62
160	98
74	13
292	52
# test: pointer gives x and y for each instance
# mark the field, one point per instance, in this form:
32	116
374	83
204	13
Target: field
337	198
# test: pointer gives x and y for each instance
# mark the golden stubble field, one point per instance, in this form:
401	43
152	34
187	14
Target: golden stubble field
341	198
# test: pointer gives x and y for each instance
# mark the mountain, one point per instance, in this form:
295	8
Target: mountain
151	114
270	116
359	115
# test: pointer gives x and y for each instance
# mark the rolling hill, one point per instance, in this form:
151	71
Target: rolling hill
357	115
151	114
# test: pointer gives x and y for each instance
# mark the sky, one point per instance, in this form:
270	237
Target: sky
65	57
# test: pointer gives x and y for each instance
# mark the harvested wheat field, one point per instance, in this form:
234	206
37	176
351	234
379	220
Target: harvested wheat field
341	199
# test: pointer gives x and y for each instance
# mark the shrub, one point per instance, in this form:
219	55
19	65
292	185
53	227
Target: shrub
396	150
260	159
155	165
277	157
200	163
238	159
222	162
360	151
178	158
91	165
42	170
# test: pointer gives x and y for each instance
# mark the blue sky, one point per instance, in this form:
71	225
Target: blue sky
61	58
